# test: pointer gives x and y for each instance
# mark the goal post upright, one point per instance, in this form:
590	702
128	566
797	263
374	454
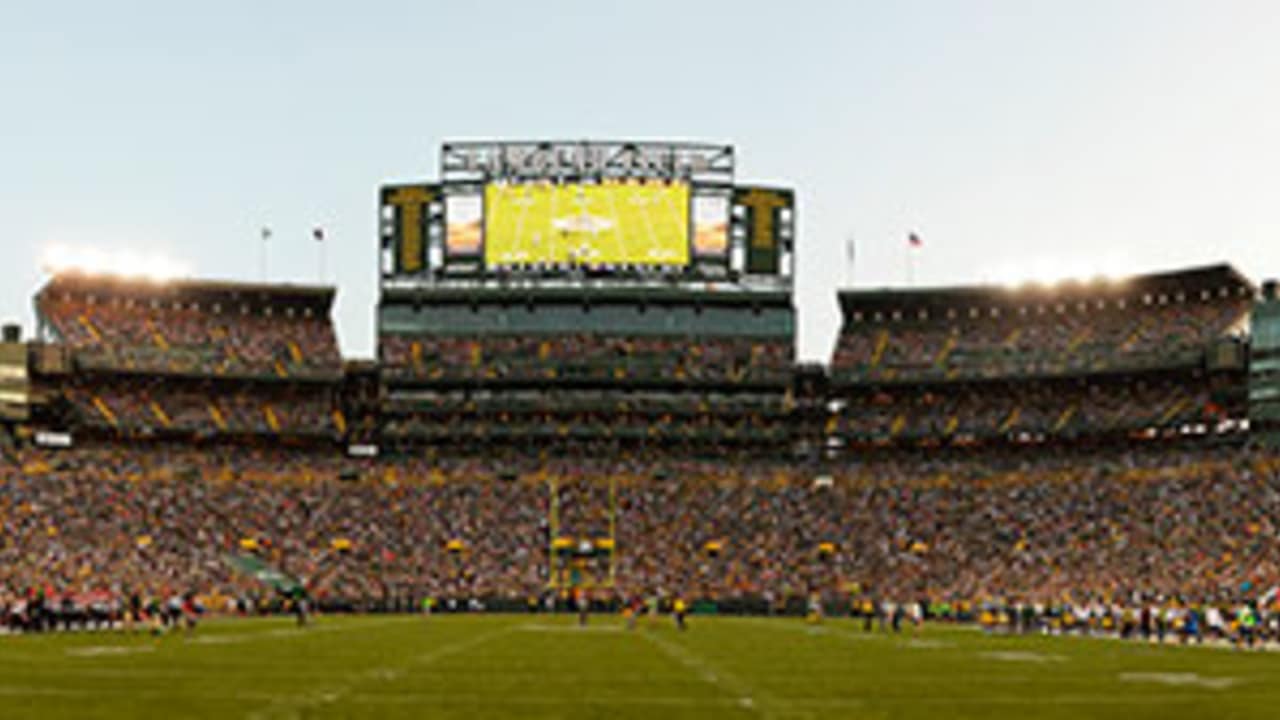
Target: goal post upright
553	578
613	529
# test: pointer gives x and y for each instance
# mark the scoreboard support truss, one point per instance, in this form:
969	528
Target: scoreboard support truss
576	161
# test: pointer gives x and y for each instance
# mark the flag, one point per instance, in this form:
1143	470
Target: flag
318	233
914	241
266	233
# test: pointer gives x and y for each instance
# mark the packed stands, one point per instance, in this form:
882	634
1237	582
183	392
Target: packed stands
192	328
625	416
663	368
587	357
659	449
1147	322
160	405
193	358
1160	519
1035	409
1150	354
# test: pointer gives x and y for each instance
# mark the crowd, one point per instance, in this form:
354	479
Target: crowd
1049	339
708	418
1052	408
159	404
208	338
1085	525
678	359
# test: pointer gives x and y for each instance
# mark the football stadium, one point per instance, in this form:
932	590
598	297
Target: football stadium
586	476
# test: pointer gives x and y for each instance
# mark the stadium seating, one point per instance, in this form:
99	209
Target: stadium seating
1064	446
1070	408
116	330
194	358
164	405
1160	519
1063	336
586	357
710	421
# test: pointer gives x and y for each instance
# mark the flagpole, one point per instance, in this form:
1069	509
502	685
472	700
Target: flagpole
913	246
265	238
850	260
318	235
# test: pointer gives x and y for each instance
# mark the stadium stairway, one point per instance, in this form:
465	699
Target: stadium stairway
161	416
940	358
105	410
882	343
1013	337
216	415
1174	409
89	327
157	337
1065	418
1011	420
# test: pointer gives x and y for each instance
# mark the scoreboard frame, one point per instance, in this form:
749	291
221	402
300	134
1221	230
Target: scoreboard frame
415	219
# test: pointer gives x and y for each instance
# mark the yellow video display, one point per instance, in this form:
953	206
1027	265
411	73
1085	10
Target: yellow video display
611	223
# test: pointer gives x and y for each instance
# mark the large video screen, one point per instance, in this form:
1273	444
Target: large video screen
710	227
609	223
462	215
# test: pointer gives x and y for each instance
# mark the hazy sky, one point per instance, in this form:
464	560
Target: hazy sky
1016	137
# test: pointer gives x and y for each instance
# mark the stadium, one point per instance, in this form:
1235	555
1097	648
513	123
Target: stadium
587	475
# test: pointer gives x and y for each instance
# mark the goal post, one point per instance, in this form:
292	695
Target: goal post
583	561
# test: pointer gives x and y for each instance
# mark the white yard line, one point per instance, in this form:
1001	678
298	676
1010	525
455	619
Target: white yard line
293	707
744	695
93	651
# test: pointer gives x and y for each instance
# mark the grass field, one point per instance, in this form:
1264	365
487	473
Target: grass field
544	666
642	224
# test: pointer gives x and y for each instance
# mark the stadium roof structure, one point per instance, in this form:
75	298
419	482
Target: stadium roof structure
319	299
1214	278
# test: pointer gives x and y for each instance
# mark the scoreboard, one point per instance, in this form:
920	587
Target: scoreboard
767	223
606	208
14	383
409	210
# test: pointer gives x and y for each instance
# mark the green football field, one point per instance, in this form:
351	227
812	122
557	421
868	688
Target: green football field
544	666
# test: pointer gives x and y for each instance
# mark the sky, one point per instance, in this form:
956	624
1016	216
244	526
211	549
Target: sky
1018	138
